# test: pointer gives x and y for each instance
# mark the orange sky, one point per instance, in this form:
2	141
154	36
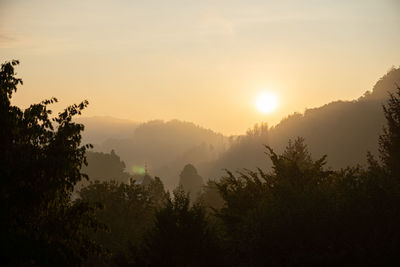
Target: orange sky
201	61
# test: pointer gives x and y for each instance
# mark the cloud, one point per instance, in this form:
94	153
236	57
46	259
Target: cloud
7	40
216	25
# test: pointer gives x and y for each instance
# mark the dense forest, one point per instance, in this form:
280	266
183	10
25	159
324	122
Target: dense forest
290	209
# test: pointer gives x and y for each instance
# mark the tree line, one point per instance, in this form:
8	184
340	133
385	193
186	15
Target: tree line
299	212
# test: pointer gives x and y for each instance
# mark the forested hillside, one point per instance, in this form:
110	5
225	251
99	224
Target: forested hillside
344	130
166	147
99	129
299	212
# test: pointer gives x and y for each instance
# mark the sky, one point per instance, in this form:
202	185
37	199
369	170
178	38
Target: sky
200	61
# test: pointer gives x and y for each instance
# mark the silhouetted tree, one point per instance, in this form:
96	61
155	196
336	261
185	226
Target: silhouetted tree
105	166
389	141
190	181
181	236
40	162
302	214
210	197
128	213
270	217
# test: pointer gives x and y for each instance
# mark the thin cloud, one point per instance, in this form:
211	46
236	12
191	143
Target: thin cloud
218	25
7	40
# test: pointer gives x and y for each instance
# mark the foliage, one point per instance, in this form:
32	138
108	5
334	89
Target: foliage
210	197
102	166
389	141
128	211
263	210
40	163
181	236
303	214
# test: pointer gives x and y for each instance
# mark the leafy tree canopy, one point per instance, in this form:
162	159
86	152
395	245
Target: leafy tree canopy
40	162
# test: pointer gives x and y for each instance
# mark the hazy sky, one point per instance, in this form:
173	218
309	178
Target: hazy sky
201	61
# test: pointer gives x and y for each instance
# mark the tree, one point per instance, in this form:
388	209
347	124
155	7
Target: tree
128	213
181	235
279	217
302	214
40	162
105	166
191	181
389	141
210	197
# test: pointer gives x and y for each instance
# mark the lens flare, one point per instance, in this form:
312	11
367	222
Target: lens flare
138	170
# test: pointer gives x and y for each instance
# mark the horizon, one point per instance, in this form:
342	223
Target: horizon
127	120
202	62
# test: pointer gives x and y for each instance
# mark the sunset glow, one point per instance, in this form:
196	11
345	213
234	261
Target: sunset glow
200	61
200	133
267	102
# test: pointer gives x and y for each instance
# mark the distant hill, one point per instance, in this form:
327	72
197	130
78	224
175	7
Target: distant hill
100	128
344	130
166	147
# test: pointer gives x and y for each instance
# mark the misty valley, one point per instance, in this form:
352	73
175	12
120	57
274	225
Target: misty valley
199	133
319	188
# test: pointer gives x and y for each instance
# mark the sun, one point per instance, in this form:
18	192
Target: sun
267	102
